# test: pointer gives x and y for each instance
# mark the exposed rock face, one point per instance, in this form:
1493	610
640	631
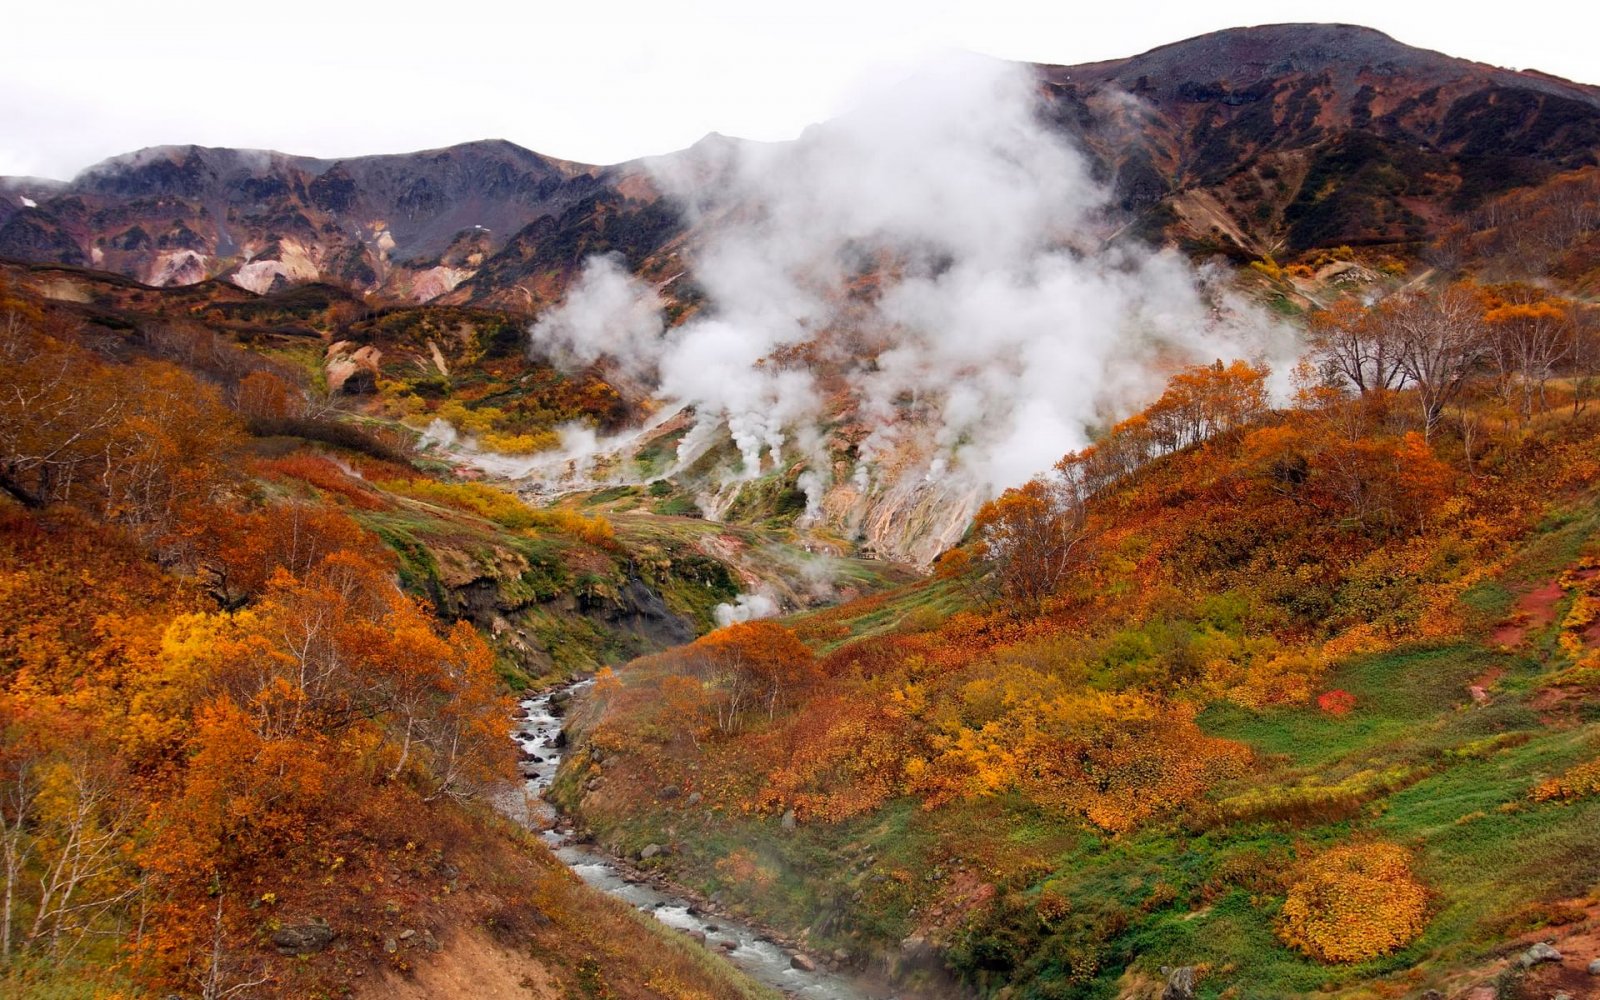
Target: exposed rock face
353	370
1180	984
416	223
1537	955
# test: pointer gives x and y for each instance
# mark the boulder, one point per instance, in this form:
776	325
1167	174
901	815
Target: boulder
303	939
1594	967
694	798
1180	983
650	851
803	963
788	820
1540	952
670	792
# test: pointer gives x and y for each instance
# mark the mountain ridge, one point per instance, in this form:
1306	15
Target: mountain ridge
1248	141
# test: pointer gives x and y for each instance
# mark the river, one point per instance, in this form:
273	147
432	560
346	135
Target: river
742	945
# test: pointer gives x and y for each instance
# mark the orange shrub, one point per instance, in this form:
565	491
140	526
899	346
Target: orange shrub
1354	902
1580	782
1337	702
324	475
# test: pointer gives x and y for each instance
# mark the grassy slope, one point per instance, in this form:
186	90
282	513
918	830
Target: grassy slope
1423	764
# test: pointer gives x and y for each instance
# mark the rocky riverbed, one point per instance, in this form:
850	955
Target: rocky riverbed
761	954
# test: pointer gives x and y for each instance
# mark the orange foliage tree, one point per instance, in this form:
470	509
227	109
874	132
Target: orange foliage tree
752	665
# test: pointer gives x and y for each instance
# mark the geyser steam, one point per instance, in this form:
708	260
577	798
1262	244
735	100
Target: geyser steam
940	255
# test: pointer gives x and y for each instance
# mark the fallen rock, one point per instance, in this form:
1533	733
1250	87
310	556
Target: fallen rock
1540	952
390	946
788	820
694	798
670	792
303	939
728	945
802	963
1180	983
650	851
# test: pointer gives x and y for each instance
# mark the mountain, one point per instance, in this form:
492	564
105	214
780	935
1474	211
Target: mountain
412	225
1249	141
1299	136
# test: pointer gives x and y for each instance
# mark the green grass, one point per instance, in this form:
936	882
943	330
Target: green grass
1402	694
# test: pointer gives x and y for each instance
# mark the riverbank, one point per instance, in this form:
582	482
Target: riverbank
770	957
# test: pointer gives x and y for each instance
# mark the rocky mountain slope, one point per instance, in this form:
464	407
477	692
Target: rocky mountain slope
1306	135
1247	141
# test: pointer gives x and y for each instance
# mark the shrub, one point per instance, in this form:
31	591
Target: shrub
1354	902
1580	782
1337	702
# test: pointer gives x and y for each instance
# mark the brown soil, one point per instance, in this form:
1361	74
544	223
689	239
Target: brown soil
1533	610
471	965
1481	684
1579	944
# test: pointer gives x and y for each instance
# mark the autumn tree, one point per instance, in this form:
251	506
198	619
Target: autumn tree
1033	535
1529	335
753	665
264	396
1348	339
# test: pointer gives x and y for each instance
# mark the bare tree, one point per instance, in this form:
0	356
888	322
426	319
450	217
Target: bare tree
1353	341
1441	341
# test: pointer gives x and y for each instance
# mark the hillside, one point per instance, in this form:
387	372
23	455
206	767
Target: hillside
1298	700
256	664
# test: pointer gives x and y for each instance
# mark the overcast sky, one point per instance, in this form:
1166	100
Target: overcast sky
597	82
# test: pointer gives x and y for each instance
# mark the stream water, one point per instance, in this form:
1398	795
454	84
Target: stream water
744	946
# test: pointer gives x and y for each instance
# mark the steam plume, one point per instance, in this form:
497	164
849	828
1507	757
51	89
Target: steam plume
940	255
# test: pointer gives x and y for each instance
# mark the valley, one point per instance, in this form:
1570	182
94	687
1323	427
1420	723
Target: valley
1126	530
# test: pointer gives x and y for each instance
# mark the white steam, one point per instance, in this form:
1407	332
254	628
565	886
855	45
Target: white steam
939	255
607	313
745	608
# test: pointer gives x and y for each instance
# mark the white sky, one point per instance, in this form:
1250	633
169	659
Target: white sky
84	79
